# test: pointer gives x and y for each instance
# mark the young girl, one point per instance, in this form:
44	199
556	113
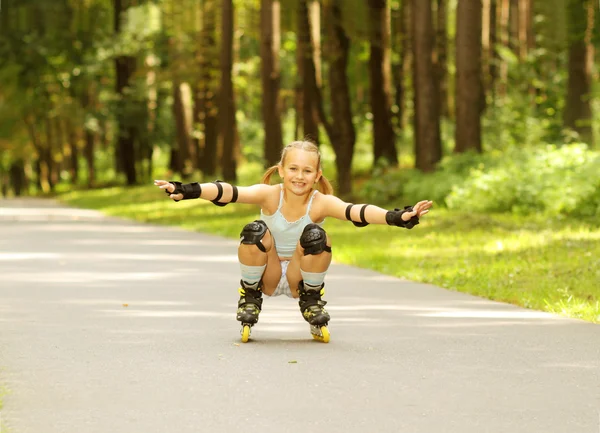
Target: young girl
287	251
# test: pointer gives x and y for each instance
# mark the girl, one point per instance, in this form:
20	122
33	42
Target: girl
287	251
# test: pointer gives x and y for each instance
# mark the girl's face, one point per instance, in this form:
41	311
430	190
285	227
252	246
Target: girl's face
300	171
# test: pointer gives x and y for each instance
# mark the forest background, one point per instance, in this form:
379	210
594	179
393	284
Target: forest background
487	107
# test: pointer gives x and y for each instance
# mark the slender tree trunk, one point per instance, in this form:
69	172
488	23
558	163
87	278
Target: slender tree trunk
401	46
17	177
504	9
228	123
73	152
442	55
208	89
309	121
468	75
181	149
90	139
384	138
513	25
270	39
47	155
343	136
578	110
428	147
125	67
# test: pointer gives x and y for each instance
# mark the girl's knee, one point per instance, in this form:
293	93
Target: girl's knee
313	241
255	237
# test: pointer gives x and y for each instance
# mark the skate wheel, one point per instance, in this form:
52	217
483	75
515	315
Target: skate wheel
322	334
245	333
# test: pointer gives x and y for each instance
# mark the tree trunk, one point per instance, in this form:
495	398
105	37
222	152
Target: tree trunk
384	138
126	132
489	39
181	153
208	89
228	123
48	158
578	110
504	9
308	122
343	135
442	55
270	38
468	75
74	152
17	177
401	47
90	139
428	147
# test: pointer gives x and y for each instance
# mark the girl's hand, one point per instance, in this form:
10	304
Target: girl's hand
168	188
419	210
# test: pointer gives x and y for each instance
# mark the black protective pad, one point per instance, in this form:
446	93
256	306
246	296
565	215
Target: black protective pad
363	222
394	218
314	240
253	233
220	193
189	190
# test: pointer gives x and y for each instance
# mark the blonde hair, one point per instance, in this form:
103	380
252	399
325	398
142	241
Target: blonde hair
323	186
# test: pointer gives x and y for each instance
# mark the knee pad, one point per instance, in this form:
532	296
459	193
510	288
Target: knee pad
253	233
314	240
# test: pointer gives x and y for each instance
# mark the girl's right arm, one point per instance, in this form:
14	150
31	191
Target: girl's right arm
220	193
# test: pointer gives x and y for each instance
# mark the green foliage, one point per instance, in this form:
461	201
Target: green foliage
548	179
553	180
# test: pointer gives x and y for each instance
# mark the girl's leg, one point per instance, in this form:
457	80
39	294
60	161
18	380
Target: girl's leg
307	264
260	268
306	274
250	256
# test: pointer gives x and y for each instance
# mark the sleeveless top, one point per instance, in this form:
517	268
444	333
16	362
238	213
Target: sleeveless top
285	233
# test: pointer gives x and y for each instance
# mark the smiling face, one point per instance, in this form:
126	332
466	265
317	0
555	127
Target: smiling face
300	171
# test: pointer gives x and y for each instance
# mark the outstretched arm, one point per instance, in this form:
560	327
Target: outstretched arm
220	193
364	214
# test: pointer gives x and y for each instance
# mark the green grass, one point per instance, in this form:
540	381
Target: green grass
535	262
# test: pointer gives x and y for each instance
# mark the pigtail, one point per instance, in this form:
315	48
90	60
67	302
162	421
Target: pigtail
324	186
267	176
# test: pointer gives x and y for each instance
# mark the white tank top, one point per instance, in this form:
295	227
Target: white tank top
285	233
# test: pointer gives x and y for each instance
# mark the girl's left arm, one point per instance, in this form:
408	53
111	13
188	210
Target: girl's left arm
364	214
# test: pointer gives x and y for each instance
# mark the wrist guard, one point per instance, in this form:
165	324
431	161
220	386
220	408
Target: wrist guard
189	190
394	218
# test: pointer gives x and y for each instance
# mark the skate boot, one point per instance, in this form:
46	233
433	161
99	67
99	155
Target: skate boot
313	311
249	307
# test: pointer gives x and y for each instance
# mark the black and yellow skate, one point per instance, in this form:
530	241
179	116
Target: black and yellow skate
313	311
249	307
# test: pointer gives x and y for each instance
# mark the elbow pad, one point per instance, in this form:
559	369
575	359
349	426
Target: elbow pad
189	190
363	222
234	193
394	218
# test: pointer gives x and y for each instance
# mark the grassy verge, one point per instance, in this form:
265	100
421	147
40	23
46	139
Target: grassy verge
534	262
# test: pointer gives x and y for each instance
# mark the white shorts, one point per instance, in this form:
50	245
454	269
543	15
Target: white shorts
283	288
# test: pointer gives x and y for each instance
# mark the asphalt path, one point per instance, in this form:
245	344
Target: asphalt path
113	326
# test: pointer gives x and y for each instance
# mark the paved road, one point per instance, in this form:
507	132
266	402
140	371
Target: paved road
111	326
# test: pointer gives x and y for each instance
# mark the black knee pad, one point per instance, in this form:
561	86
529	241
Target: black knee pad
253	233
314	240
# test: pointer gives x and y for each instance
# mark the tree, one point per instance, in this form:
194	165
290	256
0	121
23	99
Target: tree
270	39
384	138
578	110
468	76
125	68
428	146
308	120
227	122
343	136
